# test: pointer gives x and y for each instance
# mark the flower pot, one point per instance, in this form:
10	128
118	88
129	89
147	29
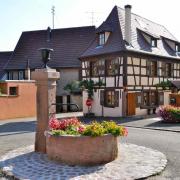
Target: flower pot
82	150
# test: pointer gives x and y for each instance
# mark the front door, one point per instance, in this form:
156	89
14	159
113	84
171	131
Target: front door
131	104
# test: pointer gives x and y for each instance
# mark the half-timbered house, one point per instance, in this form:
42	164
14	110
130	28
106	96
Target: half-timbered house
131	55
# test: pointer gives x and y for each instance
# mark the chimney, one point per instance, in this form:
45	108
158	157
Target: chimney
128	23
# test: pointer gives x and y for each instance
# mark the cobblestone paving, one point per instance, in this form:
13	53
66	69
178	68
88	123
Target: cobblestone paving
133	162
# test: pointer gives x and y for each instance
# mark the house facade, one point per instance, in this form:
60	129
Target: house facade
67	43
130	55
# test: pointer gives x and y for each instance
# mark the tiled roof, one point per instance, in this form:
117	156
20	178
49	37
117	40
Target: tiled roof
68	44
138	42
4	57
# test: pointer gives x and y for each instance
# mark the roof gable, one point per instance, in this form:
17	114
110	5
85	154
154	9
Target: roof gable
115	41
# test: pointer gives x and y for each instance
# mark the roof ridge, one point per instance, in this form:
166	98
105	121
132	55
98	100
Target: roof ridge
77	27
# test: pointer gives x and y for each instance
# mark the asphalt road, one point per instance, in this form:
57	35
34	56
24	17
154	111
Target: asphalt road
17	134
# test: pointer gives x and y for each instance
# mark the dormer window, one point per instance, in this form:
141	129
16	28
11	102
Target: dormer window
177	48
101	39
153	42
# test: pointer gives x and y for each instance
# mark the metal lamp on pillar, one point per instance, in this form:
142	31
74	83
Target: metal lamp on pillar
46	96
46	56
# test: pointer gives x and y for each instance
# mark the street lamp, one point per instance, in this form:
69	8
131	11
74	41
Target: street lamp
45	54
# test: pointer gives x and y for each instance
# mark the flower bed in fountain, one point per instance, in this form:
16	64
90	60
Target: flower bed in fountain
169	113
71	142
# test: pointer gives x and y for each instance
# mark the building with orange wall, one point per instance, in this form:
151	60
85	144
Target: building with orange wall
17	99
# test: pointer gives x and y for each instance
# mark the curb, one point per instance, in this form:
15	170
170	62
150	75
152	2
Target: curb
156	129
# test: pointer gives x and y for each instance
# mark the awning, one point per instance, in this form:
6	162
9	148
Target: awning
176	83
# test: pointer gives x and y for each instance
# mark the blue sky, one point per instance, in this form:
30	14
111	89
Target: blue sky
25	15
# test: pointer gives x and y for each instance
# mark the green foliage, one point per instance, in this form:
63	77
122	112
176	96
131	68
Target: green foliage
164	84
90	85
73	87
70	131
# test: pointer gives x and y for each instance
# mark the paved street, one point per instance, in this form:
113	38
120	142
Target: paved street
17	133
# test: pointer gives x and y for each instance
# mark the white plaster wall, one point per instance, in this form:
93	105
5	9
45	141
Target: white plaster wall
66	76
166	97
97	109
141	112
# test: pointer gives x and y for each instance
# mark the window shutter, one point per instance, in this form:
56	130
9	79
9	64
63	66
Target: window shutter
163	69
158	70
161	98
102	97
172	70
116	101
148	67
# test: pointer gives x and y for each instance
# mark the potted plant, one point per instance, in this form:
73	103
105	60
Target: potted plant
89	86
169	113
71	142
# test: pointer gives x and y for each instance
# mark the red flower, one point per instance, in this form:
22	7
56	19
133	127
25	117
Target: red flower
54	124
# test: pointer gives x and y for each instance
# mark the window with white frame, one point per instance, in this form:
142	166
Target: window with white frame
101	39
153	42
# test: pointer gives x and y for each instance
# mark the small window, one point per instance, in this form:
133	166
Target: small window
153	98
145	99
138	99
21	75
177	48
101	39
153	42
112	67
151	68
13	91
166	69
98	68
111	98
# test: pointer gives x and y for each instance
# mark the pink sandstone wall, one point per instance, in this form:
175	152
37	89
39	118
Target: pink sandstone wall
21	105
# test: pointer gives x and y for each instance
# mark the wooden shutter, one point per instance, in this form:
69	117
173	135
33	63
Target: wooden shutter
158	70
102	97
161	98
172	70
148	67
116	94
